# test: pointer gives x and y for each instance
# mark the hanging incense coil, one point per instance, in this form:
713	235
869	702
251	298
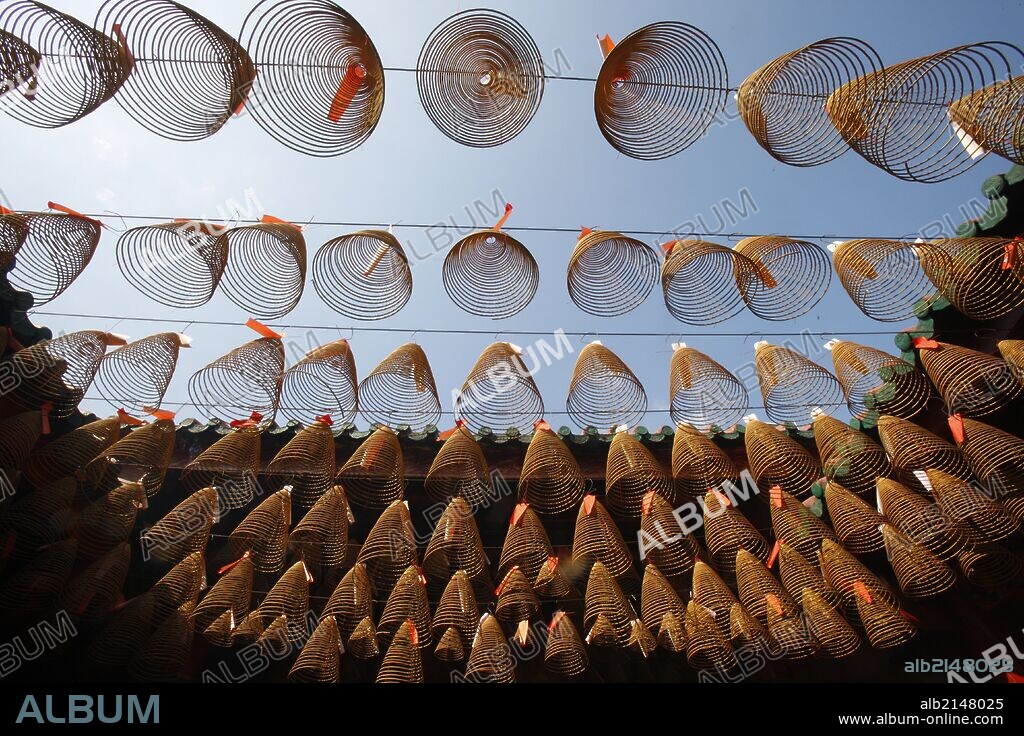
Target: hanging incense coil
401	390
793	386
226	604
247	380
970	274
726	532
672	634
794	524
970	382
288	598
71	452
777	459
92	594
136	375
164	657
919	573
480	77
789	632
630	473
799	576
13	227
712	594
782	102
364	275
321	537
58	371
320	90
833	633
18	435
596	538
459	470
177	264
564	653
389	548
984	519
499	392
604	596
746	632
699	464
673	552
706	646
407	601
875	382
604	392
885	624
852	580
755	584
181	585
914	450
790	276
516	600
550	479
351	602
996	459
363	643
230	465
671	67
702	393
699	280
143	456
306	464
185	529
849	457
491	659
53	253
991	117
374	476
659	599
75	68
528	547
266	268
455	546
886	279
855	521
19	62
320	658
264	532
610	274
323	382
34	520
490	274
1013	353
455	619
38	582
403	661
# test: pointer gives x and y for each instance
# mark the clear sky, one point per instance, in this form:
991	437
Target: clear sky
558	172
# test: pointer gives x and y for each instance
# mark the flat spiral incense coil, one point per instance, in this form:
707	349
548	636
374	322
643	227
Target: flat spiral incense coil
699	464
374	476
490	660
970	274
659	599
712	594
799	575
793	386
263	533
726	532
550	479
136	375
92	594
970	382
177	264
320	658
320	89
188	75
18	435
782	102
855	521
323	382
884	624
351	602
777	459
660	89
885	278
914	450
230	465
401	390
239	383
266	268
143	455
673	552
604	393
997	460
480	77
755	584
231	597
71	452
456	612
698	280
596	538
490	274
790	276
631	472
984	519
604	596
564	653
403	661
455	546
610	274
528	547
184	529
706	646
875	382
54	252
499	392
516	600
321	537
77	68
991	117
702	393
389	548
38	581
834	634
849	457
919	573
58	371
851	579
364	275
408	600
459	470
306	464
34	520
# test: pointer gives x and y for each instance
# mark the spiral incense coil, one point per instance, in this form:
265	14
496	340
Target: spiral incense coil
320	658
34	520
996	458
884	624
674	553
604	596
455	545
706	646
699	464
755	584
480	77
604	393
528	547
351	601
970	274
984	519
181	585
1013	353
886	279
374	476
631	473
125	632
321	537
136	375
39	581
266	268
991	117
71	452
919	573
320	89
726	532
970	382
610	274
455	619
660	89
659	599
702	393
401	390
855	521
698	280
306	464
790	632
852	580
795	525
849	457
230	597
564	653
516	600
165	655
793	386
389	548
14	227
833	633
490	659
641	640
450	647
490	274
141	456
264	532
875	382
75	68
288	598
596	538
712	594
782	102
185	529
777	459
323	382
672	634
18	435
459	470
247	380
19	62
93	593
499	392
800	576
364	275
177	264
790	276
403	661
550	479
230	465
407	601
746	632
914	450
58	371
55	251
363	643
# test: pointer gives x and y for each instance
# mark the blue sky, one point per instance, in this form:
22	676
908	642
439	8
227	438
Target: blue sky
558	172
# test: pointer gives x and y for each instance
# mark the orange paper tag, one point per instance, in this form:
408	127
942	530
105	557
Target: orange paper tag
262	329
668	247
721	497
230	565
271	220
776	495
5	211
774	554
956	428
588	504
449	432
559	615
414	636
909	616
504	218
518	512
73	213
158	413
127	419
774	602
584	232
552	563
541	424
607	44
122	42
347	90
645	507
501	585
44	412
1009	255
924	343
862	591
254	419
324	419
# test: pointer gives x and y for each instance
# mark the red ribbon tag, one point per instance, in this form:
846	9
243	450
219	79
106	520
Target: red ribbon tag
956	428
1010	254
449	432
254	419
776	548
350	83
324	419
909	616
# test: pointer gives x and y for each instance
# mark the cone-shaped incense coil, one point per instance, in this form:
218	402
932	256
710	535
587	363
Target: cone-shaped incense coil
702	393
516	600
997	460
320	658
699	279
726	532
851	579
550	480
58	371
363	275
18	435
991	116
970	274
712	594
706	646
745	631
971	383
109	520
230	465
885	278
136	376
983	518
672	633
919	573
71	452
456	611
408	600
93	593
793	386
185	529
669	66
794	524
790	632
699	464
36	519
351	601
459	470
333	111
877	383
849	457
401	390
499	392
230	596
641	640
755	584
777	459
664	542
246	380
854	520
125	632
490	659
266	268
403	661
455	545
604	392
306	464
528	547
390	548
321	537
790	276
598	539
604	596
323	382
658	599
289	598
799	575
53	252
450	647
38	581
924	522
1013	353
363	643
914	449
610	274
564	654
142	455
837	639
177	264
164	657
631	472
490	274
884	624
264	532
375	475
